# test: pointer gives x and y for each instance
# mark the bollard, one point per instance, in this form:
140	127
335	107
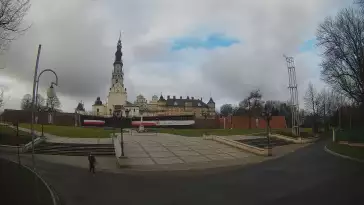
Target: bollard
333	135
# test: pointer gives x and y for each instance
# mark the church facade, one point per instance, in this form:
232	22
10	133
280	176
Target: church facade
117	101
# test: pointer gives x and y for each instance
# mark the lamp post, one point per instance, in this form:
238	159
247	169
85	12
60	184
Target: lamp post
267	114
121	129
50	93
141	111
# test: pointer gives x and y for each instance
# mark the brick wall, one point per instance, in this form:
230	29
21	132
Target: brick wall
25	116
207	124
242	122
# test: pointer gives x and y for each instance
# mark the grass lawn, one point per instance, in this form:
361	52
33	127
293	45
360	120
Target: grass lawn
355	152
219	132
354	135
200	132
70	131
8	136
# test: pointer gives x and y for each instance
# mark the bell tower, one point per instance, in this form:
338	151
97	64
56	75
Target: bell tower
117	95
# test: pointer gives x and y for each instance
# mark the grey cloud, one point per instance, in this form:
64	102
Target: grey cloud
79	39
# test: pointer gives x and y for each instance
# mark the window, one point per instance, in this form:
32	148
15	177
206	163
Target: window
199	104
175	103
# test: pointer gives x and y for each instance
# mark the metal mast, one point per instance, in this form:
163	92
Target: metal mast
292	86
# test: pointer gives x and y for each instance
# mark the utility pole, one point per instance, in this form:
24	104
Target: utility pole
292	86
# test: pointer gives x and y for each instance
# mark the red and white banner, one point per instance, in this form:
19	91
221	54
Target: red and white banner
94	122
164	123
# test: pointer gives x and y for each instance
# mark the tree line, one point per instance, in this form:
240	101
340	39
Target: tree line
52	104
341	40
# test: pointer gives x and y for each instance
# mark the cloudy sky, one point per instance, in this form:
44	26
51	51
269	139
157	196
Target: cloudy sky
175	47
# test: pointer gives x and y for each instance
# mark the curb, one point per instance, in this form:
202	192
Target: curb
53	195
342	156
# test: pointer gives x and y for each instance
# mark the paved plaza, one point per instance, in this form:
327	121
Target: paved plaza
161	151
164	149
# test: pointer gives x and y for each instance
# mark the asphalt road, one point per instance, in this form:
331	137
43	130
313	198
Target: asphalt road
308	176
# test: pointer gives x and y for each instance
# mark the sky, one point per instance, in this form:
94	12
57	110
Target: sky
200	48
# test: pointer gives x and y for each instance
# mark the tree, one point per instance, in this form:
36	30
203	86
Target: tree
53	104
12	13
341	39
1	98
226	110
252	104
26	102
311	103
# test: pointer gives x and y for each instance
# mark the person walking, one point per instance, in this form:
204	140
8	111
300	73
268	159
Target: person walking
91	162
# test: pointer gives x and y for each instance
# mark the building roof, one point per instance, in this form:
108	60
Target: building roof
211	101
161	98
182	102
129	104
98	101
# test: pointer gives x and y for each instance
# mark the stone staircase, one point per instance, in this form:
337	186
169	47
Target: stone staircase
73	149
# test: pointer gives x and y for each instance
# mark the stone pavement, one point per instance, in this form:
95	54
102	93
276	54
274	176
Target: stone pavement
156	151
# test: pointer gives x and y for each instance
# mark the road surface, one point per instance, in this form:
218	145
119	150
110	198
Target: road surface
308	176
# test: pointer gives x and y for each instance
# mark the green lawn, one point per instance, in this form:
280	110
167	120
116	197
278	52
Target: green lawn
219	132
200	132
354	135
70	131
8	136
355	152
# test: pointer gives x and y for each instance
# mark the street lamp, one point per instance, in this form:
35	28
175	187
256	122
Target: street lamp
121	129
267	114
50	93
141	111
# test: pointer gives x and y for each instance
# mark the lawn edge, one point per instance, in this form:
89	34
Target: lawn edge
342	156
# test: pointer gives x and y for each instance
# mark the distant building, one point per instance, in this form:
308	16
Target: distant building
117	103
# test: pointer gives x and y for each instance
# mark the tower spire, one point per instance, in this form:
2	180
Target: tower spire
118	53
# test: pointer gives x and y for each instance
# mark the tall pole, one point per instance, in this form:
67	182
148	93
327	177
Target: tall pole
33	103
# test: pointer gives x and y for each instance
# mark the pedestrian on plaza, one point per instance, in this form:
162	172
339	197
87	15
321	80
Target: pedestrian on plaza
91	162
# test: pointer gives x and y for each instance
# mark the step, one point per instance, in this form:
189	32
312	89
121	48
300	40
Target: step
73	144
66	147
75	152
65	150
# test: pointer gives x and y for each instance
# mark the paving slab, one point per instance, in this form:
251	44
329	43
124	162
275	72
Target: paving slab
208	151
186	153
219	156
135	161
156	149
192	159
168	160
229	150
239	154
179	148
161	154
136	154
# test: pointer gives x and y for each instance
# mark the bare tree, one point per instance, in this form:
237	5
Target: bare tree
53	104
12	13
341	39
253	104
226	110
312	103
1	97
26	102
